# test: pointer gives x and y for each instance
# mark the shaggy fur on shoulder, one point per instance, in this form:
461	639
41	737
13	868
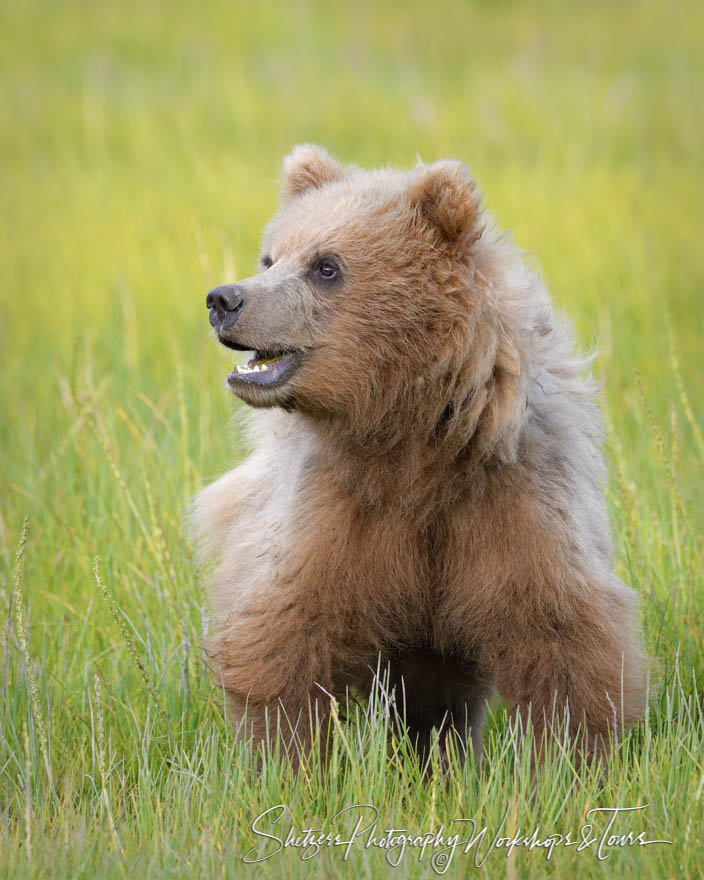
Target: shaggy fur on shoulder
426	479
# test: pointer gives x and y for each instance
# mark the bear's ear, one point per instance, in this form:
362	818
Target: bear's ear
446	196
308	166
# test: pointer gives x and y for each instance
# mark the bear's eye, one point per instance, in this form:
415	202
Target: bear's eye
327	268
266	261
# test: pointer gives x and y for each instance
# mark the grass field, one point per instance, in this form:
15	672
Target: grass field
139	149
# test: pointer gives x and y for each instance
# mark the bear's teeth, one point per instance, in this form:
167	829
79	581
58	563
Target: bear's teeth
258	368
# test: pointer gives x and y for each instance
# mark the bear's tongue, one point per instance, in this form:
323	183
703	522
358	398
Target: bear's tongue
260	358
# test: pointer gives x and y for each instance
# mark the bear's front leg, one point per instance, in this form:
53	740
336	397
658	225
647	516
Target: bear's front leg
529	588
569	656
275	664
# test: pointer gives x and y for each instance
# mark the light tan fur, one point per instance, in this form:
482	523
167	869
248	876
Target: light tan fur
427	486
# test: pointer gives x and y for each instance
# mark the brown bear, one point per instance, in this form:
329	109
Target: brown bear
426	480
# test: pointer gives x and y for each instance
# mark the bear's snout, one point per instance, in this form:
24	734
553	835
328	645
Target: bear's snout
225	303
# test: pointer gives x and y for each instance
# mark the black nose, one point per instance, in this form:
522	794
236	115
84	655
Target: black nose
225	303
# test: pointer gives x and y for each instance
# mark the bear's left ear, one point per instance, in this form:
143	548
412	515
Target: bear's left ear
446	195
306	167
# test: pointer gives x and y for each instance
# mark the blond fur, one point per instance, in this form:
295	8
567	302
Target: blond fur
428	488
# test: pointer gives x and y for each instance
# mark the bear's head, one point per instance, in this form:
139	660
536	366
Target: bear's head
371	308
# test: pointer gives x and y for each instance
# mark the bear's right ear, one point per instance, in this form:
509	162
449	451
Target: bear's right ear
308	166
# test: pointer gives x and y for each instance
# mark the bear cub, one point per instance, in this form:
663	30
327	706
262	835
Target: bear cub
425	486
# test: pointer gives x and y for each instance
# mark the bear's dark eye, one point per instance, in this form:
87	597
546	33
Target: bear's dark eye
266	261
327	268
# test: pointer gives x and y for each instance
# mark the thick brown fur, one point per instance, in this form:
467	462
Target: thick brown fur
426	487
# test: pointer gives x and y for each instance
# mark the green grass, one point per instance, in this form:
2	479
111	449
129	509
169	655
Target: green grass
139	145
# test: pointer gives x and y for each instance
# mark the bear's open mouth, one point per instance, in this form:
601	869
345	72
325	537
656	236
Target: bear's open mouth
265	367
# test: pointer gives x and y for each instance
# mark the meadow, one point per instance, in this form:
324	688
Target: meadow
140	145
